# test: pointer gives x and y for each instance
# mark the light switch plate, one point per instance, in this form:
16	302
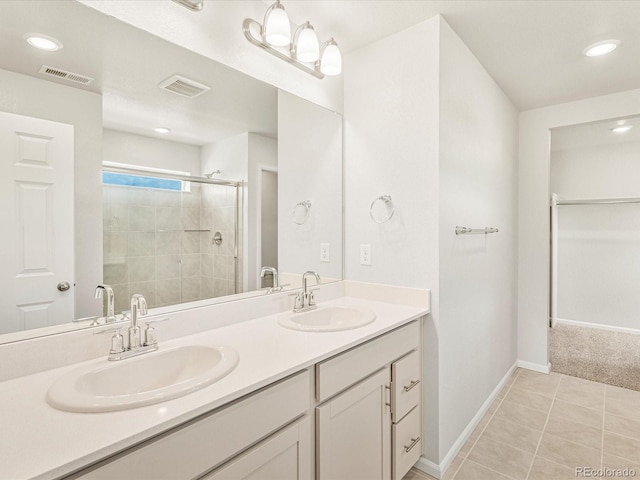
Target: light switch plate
365	254
324	252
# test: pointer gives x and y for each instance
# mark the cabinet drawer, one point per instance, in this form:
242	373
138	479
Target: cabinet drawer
346	369
407	444
190	450
285	455
405	377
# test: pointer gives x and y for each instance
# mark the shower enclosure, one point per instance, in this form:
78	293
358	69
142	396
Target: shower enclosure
170	237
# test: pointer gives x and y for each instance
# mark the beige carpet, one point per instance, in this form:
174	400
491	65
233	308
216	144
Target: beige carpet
598	355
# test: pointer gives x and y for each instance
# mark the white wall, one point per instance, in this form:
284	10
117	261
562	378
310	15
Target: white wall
263	153
216	33
269	218
598	278
433	130
478	273
309	168
129	148
533	209
230	156
391	147
33	97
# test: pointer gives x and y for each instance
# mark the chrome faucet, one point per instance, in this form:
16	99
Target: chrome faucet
276	287
138	307
111	300
141	337
305	300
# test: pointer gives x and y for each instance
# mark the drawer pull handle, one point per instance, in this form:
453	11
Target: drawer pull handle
411	385
414	442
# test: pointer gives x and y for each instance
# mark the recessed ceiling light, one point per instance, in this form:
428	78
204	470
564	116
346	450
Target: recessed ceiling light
601	48
43	42
621	128
162	130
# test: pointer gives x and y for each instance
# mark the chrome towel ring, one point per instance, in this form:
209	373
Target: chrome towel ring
382	209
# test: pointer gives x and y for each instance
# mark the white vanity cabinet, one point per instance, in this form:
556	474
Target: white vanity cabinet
354	432
369	420
364	412
194	449
285	455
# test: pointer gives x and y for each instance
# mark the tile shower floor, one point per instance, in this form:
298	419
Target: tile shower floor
543	427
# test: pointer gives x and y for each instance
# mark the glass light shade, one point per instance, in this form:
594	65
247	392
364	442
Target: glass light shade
331	62
307	46
277	30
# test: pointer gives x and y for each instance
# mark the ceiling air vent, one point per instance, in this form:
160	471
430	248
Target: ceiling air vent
65	75
183	86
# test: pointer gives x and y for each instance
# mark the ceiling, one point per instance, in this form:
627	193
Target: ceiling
127	64
595	134
532	49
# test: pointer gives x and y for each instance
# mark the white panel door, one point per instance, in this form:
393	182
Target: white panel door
36	247
354	432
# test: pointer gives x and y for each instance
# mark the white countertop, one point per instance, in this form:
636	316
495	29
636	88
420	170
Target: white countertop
41	442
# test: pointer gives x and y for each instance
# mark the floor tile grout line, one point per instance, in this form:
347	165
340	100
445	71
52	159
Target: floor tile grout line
490	469
535	454
464	459
635	439
575	421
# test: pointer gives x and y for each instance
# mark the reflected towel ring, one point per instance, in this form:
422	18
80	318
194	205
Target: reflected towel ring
301	211
387	209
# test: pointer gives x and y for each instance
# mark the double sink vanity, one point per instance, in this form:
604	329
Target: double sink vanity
332	392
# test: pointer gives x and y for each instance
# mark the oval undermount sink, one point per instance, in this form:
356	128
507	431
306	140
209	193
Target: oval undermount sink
144	380
327	319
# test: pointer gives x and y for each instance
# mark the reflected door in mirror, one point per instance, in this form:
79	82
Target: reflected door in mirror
36	191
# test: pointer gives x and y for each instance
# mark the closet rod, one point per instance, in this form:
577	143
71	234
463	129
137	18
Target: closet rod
599	201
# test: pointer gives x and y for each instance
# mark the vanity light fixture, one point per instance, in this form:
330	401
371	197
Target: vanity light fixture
277	29
621	128
162	130
601	48
331	60
43	42
302	50
305	46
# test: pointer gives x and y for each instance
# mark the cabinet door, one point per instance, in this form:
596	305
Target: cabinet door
354	432
283	456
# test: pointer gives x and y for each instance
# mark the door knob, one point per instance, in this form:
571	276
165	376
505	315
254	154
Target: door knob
64	286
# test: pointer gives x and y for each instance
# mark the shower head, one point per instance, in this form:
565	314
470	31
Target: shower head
209	175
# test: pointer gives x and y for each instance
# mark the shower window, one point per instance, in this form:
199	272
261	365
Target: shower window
125	179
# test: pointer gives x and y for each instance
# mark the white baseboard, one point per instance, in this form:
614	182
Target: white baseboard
438	471
536	367
428	467
598	326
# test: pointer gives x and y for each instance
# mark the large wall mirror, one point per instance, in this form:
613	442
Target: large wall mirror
129	161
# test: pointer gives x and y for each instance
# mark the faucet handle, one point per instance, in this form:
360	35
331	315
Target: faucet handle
298	304
312	298
150	336
117	340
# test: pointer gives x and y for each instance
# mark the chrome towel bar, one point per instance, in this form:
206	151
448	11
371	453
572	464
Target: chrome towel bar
475	231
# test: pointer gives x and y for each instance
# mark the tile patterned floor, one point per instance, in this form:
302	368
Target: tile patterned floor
543	427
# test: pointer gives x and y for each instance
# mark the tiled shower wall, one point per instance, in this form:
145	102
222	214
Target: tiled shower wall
160	243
